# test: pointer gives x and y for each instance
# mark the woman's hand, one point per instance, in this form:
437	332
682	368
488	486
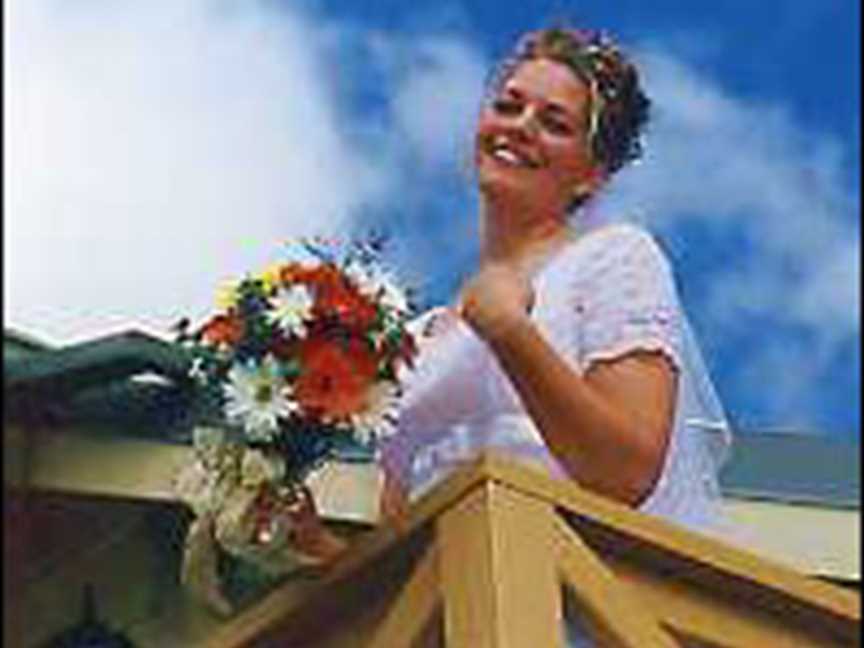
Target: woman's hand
310	535
495	300
393	504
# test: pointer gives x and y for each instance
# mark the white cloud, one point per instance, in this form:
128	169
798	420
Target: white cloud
435	107
154	149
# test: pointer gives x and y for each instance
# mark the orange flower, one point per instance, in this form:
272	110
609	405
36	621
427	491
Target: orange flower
293	272
337	298
335	377
223	329
315	276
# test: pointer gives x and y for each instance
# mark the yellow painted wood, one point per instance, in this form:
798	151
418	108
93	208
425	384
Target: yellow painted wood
498	576
354	595
767	582
622	620
91	466
83	464
709	616
87	465
809	538
371	548
650	531
414	607
76	462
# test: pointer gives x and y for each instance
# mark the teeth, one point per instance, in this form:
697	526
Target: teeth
506	155
501	150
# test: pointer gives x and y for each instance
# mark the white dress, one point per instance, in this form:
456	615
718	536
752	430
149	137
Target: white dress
607	293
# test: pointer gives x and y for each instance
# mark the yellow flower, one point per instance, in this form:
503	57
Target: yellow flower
226	295
271	277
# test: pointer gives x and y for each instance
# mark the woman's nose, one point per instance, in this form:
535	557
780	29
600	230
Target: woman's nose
525	123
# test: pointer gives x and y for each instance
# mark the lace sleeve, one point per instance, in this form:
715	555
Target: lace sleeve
626	299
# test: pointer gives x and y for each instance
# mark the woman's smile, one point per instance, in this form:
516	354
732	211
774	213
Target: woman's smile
535	124
504	150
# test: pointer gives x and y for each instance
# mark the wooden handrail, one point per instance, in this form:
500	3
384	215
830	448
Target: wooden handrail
693	586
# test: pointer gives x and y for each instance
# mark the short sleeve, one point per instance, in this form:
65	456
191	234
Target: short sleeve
626	299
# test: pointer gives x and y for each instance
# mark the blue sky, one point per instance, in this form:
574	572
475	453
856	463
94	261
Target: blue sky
156	149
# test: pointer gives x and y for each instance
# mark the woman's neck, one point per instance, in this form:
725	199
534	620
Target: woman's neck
520	237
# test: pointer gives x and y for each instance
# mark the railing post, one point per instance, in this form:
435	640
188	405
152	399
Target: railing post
498	573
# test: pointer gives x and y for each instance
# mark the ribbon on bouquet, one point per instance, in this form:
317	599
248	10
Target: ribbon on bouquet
241	505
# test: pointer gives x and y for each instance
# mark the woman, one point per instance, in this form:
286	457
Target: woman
568	347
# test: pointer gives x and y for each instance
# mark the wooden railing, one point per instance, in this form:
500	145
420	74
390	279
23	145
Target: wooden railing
499	554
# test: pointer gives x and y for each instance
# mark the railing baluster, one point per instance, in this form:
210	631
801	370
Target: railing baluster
498	577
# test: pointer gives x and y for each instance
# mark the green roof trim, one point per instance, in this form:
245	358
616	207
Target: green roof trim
76	367
794	468
23	340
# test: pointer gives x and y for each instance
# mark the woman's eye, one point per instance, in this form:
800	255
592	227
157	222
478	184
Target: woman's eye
557	126
507	106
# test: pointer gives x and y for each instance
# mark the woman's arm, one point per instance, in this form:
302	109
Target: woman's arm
311	536
609	428
393	502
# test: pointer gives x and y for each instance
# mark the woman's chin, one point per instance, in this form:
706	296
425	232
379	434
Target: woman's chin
501	187
492	175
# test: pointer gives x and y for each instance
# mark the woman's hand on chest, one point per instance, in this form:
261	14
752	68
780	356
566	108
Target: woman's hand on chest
496	300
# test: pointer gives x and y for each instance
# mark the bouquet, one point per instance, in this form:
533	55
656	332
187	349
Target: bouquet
297	361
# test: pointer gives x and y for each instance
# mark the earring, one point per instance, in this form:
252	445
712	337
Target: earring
582	191
589	183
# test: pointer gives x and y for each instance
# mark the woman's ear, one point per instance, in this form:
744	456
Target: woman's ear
587	185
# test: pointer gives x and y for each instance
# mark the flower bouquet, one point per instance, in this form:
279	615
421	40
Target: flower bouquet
297	361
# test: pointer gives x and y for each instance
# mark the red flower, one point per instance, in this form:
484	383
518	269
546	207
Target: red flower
293	272
335	377
335	296
314	276
342	302
223	329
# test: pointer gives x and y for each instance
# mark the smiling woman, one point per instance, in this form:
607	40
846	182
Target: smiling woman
567	348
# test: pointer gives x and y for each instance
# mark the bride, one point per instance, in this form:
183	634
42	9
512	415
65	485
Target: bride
568	347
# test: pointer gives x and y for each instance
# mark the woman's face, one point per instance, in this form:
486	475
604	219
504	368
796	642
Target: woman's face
531	137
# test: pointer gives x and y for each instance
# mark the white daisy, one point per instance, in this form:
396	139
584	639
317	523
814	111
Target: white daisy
379	417
378	283
291	308
257	398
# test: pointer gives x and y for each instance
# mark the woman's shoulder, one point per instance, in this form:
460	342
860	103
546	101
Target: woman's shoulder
615	247
618	236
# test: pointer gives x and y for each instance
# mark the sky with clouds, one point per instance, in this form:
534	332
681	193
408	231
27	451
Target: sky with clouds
155	149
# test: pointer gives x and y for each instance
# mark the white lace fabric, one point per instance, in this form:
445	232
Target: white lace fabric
608	293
